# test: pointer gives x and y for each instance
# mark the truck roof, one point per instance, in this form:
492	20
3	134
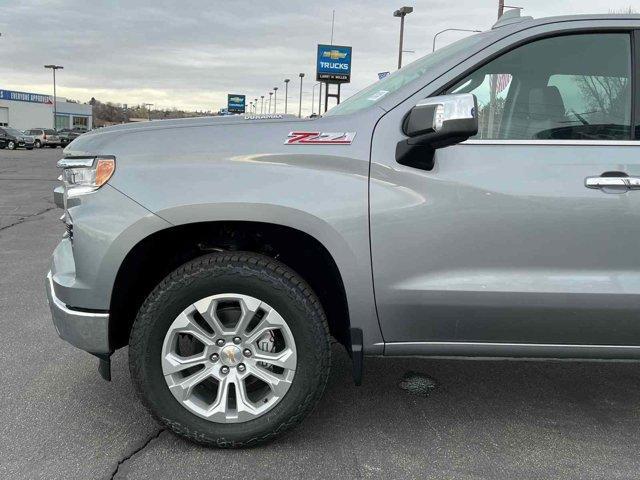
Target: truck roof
512	17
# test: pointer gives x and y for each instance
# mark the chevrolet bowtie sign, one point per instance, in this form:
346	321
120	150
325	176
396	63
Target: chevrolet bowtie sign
333	64
236	103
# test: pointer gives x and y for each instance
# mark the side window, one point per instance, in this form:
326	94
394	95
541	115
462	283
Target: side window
580	92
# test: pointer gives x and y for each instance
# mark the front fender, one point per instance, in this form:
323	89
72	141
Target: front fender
351	259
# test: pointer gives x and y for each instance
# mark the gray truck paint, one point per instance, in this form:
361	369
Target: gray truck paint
500	243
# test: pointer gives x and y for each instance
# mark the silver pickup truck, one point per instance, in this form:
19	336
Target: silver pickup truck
480	202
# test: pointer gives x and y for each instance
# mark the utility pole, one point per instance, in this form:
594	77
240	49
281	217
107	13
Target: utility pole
494	87
275	99
301	75
326	85
148	105
313	97
333	22
55	109
402	12
286	93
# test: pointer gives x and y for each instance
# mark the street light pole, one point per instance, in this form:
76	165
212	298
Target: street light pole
401	12
500	8
286	93
451	30
270	95
55	109
261	104
275	99
301	75
313	97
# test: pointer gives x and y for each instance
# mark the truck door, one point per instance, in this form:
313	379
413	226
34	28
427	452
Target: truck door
529	232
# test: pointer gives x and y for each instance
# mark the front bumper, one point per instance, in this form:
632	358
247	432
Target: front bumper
88	331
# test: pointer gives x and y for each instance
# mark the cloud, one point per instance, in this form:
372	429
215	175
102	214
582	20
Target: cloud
190	54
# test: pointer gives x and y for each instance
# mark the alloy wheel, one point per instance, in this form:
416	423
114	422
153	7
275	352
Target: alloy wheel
229	358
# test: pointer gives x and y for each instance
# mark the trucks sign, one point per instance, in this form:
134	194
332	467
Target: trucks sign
236	103
333	64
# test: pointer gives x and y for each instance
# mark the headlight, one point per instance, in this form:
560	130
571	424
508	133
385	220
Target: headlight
82	175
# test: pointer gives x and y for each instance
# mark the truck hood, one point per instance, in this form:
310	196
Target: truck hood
193	122
96	141
234	134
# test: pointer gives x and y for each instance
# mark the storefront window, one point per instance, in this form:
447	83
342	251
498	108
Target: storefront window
62	122
81	122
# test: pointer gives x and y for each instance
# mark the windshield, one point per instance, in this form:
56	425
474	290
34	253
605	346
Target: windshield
377	91
13	131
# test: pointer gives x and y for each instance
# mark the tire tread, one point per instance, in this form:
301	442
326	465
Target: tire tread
281	278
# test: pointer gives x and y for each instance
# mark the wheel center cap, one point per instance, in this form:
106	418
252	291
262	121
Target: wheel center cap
231	355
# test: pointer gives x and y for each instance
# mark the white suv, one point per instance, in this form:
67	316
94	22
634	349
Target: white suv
44	137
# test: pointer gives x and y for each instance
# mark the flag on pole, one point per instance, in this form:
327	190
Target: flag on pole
502	82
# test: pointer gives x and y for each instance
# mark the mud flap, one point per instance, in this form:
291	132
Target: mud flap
104	366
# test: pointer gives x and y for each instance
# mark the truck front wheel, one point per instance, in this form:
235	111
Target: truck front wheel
230	350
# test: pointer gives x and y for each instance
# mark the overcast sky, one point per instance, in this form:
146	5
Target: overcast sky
190	54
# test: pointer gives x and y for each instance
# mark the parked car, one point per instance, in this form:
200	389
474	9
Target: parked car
11	138
483	201
69	135
44	137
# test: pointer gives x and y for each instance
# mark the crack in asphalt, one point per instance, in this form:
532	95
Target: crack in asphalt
27	217
135	452
10	179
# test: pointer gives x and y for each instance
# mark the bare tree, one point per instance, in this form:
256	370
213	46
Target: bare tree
602	93
624	11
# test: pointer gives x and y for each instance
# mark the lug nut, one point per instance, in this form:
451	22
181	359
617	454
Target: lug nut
224	370
241	367
220	342
214	357
237	340
247	352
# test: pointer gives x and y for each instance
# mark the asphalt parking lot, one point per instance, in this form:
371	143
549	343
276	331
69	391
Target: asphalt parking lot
481	419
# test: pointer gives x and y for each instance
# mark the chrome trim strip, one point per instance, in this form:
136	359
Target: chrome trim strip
511	350
75	162
500	344
563	143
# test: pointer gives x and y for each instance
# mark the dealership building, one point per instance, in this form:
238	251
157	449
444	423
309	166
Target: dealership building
23	110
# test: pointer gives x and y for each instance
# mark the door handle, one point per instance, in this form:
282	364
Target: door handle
613	182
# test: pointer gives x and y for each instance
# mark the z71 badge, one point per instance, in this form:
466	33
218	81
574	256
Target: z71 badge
320	138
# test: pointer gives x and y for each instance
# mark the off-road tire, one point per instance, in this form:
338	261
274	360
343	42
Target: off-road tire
245	273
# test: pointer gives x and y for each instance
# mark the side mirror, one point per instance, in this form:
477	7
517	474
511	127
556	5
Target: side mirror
434	123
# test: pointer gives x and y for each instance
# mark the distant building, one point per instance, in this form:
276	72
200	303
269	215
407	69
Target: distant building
23	110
